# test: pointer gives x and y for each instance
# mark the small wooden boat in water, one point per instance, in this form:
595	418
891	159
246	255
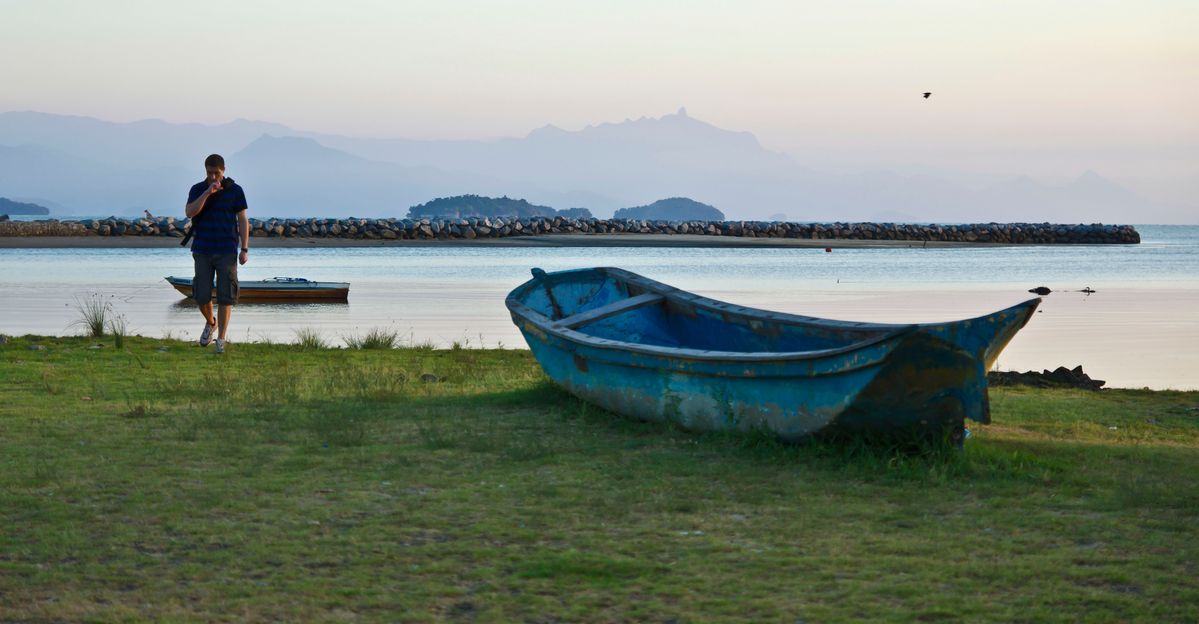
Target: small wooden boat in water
283	289
641	348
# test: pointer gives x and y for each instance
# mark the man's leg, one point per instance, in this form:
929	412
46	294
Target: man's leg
202	286
223	313
226	291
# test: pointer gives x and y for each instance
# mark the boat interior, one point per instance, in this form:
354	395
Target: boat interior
602	305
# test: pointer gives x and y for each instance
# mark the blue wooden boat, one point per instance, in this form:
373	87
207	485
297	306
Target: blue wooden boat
644	349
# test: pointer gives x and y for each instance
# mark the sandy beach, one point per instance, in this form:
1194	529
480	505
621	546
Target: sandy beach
552	240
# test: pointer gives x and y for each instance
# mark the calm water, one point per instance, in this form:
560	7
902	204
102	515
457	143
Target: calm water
1140	329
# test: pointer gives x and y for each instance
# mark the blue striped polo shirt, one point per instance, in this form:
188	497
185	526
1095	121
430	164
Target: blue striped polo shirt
216	225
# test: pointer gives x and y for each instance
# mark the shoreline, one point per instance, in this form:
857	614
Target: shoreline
547	240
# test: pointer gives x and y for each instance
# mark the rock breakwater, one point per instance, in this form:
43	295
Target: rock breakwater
501	227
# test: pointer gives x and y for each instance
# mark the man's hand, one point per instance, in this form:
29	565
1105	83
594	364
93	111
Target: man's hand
245	255
214	187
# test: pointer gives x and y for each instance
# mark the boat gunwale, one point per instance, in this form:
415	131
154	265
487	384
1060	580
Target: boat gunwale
550	326
723	307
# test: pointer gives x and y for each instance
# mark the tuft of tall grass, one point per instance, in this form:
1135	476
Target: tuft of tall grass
376	338
425	345
118	325
93	313
310	338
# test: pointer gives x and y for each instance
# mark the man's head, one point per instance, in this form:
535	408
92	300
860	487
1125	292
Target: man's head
214	166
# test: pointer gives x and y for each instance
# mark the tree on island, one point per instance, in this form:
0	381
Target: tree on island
672	209
575	213
10	207
480	206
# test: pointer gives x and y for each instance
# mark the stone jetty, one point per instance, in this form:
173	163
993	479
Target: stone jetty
501	227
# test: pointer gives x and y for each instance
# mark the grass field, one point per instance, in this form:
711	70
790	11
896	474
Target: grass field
159	481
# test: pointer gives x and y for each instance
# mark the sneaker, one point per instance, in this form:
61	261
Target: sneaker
220	345
206	335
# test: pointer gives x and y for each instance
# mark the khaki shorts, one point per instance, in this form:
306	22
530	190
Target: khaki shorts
221	266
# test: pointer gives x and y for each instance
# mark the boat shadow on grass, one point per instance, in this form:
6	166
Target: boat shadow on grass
544	424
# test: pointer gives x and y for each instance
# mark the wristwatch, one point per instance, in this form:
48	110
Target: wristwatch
245	250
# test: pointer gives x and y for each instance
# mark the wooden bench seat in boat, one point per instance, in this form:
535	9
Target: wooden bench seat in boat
612	309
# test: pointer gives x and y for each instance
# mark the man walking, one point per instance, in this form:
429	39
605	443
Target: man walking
217	208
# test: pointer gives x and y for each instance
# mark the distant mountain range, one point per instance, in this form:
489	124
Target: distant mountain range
87	166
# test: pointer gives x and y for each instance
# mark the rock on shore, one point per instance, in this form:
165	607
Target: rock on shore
1061	377
499	227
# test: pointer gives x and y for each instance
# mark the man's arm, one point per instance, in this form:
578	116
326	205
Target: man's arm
193	208
243	234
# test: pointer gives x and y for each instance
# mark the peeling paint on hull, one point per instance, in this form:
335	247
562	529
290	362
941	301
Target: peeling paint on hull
643	349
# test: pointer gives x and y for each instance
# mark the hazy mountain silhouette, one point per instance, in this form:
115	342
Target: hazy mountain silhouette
296	176
79	186
98	167
1088	198
146	144
610	165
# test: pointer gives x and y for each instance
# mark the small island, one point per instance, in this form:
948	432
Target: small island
461	206
10	207
672	209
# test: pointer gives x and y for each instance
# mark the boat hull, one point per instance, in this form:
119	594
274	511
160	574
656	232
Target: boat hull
926	379
268	292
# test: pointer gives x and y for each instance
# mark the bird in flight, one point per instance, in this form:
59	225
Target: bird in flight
927	93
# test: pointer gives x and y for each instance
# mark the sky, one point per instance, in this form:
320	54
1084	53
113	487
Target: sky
1049	89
